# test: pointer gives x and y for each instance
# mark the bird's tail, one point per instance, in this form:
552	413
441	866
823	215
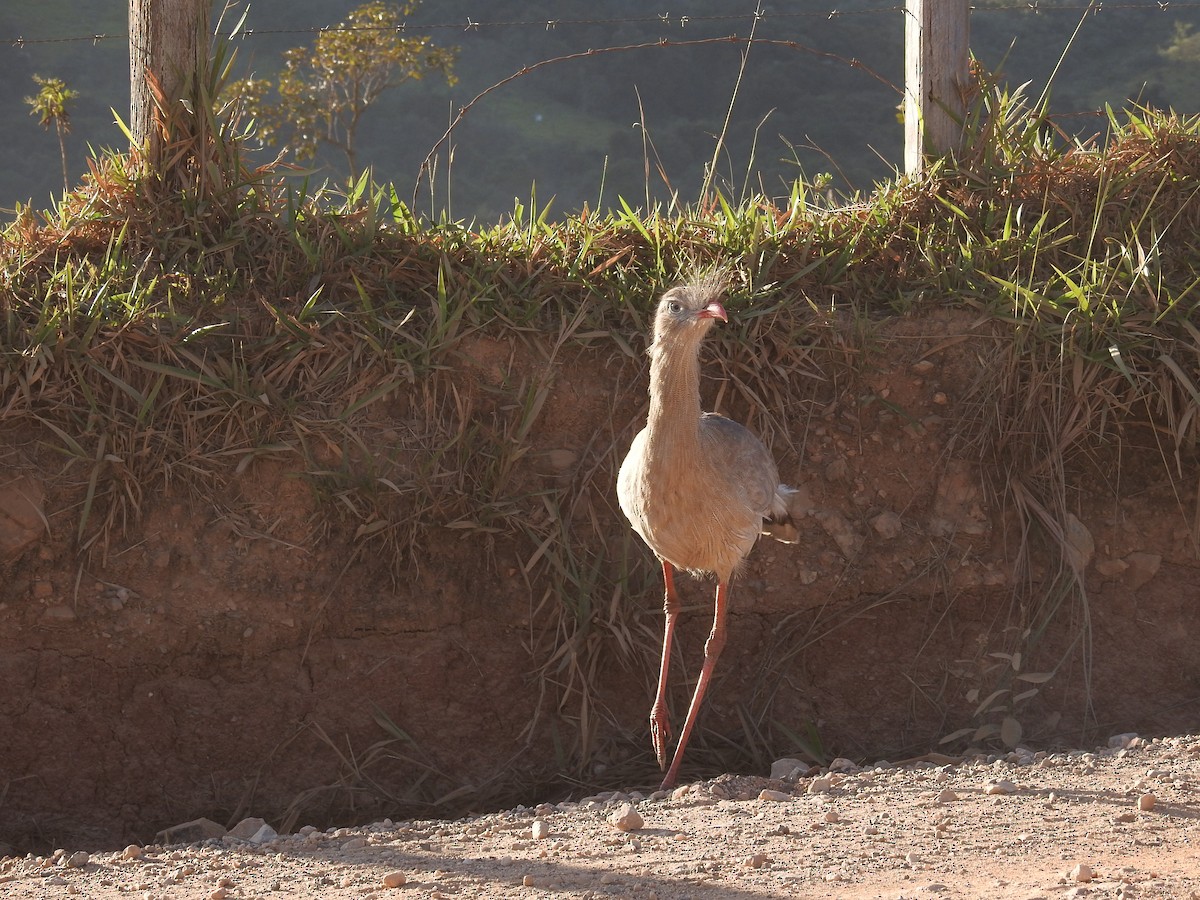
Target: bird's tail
779	524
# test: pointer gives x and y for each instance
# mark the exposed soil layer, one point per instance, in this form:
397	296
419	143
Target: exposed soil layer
246	650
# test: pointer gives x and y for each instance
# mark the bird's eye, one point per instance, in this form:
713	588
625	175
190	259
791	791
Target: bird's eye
675	306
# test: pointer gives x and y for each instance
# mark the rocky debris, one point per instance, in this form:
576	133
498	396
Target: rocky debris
820	785
1081	872
253	830
887	525
957	507
1002	786
774	796
787	768
883	838
1123	741
838	527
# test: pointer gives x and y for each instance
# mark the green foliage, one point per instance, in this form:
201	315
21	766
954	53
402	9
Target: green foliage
49	104
324	90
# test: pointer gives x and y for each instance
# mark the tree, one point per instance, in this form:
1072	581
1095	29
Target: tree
168	40
324	89
50	105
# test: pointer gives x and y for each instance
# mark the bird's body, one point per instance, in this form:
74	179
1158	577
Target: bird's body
696	486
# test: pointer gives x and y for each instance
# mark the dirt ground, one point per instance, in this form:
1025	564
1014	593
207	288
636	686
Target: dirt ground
242	651
1122	821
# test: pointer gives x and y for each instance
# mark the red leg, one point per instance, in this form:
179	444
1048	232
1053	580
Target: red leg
712	649
660	723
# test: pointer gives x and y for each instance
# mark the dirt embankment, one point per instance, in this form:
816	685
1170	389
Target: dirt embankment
244	650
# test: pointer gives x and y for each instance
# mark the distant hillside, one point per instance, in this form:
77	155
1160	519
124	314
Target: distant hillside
579	130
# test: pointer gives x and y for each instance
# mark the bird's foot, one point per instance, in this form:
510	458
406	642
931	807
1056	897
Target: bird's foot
660	733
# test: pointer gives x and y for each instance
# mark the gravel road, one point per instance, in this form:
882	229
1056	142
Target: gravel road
1121	821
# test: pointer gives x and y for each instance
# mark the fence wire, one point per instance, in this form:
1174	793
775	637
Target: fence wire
665	19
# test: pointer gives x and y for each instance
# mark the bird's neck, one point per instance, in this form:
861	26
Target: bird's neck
675	395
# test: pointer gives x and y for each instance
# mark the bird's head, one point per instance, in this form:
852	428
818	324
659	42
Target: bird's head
687	310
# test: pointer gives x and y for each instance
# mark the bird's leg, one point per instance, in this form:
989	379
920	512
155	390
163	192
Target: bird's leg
660	722
712	649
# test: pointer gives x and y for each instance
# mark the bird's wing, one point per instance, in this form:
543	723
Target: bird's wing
742	461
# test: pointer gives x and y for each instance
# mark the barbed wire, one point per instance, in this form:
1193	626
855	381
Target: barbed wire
1027	7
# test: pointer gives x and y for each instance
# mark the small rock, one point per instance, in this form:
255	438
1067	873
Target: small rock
562	458
945	796
832	816
539	830
922	367
394	879
1081	872
356	843
1142	567
59	612
757	861
888	526
133	851
78	859
841	764
1122	741
786	767
774	796
820	785
1003	786
529	881
1146	802
219	894
626	818
254	830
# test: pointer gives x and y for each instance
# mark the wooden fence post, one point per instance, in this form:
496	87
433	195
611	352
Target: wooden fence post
936	74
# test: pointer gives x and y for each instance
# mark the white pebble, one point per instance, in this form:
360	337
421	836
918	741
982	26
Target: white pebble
539	830
626	818
820	785
774	796
1003	786
1081	872
945	796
